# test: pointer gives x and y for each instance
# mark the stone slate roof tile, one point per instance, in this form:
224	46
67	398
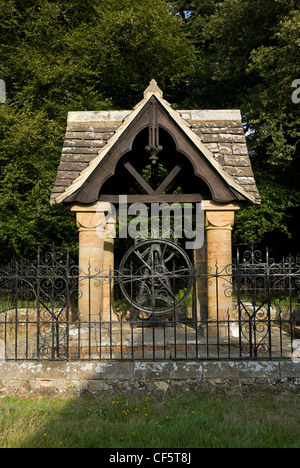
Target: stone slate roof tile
227	141
81	146
221	132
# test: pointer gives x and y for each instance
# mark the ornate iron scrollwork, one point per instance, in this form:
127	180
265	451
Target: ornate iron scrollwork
156	276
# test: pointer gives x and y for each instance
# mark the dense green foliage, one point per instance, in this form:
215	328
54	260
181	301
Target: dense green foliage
249	56
58	56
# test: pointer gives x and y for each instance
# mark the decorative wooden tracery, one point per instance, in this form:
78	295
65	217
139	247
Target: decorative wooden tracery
154	139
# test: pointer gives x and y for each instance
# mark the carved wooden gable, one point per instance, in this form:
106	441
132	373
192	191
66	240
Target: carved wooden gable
154	155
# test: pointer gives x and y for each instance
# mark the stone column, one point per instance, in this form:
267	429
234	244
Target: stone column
108	267
200	305
95	257
219	221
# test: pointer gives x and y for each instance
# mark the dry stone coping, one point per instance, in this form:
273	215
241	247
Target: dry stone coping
71	379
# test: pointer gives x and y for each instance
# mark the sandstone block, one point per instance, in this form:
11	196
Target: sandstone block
240	149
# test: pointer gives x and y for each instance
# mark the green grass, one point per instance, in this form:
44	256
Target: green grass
186	420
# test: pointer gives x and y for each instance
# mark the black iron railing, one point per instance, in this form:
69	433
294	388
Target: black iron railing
247	310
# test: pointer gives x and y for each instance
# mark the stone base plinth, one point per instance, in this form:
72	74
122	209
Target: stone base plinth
72	379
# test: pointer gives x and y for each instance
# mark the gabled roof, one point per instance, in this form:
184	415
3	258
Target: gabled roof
217	134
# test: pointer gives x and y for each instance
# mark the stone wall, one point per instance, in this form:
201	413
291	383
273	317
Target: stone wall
71	379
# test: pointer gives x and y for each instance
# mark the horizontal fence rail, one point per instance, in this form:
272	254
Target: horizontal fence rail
247	310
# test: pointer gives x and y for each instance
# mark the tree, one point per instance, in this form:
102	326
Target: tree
248	57
58	56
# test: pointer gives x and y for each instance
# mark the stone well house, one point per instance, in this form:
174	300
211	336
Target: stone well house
104	156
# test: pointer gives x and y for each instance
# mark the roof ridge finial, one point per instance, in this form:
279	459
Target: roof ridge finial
153	88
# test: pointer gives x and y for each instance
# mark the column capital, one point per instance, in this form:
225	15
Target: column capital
90	217
208	205
219	220
89	221
98	207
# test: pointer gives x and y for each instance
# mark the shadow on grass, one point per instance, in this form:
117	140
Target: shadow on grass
173	421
